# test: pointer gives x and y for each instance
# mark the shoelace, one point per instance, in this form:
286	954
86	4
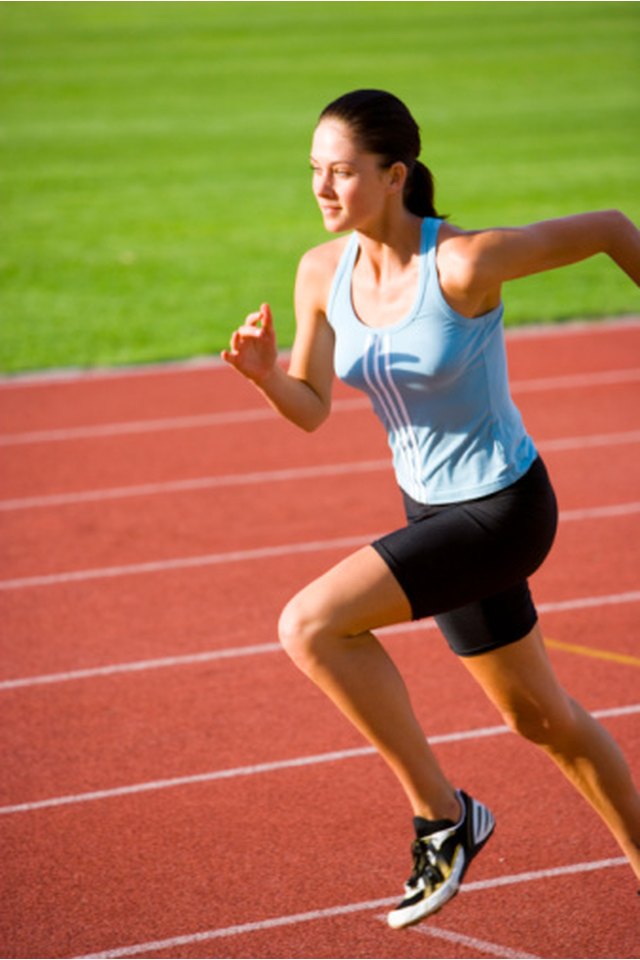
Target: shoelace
425	864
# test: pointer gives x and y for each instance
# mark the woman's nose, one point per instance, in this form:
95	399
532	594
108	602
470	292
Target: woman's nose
324	186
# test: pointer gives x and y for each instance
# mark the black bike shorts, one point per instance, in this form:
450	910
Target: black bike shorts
467	563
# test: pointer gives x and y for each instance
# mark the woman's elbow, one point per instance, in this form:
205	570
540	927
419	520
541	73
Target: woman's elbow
314	420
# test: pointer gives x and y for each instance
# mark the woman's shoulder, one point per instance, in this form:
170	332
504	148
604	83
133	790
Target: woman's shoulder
316	271
324	258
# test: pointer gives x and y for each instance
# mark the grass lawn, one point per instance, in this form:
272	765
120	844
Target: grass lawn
154	176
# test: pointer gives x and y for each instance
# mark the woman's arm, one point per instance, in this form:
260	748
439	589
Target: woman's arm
473	266
302	394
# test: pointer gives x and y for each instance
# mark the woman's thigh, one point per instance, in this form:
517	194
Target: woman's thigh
357	595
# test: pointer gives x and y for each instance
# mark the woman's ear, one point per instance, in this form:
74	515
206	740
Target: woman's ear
397	174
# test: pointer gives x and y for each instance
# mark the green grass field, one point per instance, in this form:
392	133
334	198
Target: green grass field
155	182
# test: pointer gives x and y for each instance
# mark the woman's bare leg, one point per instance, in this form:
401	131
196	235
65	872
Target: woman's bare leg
325	630
521	683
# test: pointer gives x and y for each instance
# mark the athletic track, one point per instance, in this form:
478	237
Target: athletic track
172	786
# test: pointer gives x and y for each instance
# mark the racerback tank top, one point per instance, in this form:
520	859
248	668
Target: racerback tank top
438	382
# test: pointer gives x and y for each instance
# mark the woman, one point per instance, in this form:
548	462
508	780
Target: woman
408	308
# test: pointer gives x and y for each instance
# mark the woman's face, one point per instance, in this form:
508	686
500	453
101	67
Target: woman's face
349	185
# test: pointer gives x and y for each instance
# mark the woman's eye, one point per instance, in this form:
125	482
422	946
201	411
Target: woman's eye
340	174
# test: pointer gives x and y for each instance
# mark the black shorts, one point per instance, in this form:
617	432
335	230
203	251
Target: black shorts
467	564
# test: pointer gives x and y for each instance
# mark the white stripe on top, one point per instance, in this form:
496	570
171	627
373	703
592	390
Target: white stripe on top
377	371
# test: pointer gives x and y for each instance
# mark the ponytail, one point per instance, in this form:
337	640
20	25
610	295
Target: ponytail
419	191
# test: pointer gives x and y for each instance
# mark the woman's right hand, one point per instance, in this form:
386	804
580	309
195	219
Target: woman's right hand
253	351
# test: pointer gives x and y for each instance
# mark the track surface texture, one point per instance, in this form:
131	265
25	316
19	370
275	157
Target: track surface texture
172	786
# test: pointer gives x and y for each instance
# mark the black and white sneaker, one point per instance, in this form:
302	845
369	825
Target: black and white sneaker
440	861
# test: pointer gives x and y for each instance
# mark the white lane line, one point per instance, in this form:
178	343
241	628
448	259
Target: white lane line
229	653
87	375
473	943
184	563
260	553
589	441
529	385
633	596
233	773
206	483
285	475
222	418
571	381
139	666
600	513
272	767
171	943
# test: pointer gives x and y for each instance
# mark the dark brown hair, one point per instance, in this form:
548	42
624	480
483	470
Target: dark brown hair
383	125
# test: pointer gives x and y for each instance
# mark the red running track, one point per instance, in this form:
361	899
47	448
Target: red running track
172	786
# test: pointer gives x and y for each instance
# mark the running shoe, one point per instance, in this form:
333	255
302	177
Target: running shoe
440	861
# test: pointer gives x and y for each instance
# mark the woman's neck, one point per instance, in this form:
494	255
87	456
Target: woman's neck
388	248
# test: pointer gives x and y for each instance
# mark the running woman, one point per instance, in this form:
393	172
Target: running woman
408	308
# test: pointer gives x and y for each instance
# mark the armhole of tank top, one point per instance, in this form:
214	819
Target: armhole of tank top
434	278
430	233
428	238
344	264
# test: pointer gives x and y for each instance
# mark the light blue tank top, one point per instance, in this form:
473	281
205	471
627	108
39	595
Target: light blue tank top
438	382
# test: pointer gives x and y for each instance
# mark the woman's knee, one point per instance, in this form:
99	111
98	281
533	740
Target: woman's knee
301	628
545	723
